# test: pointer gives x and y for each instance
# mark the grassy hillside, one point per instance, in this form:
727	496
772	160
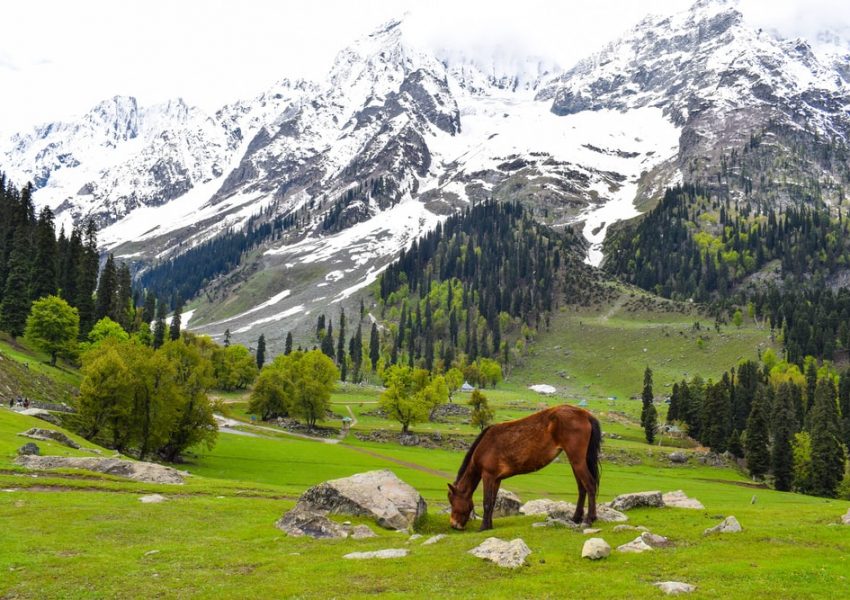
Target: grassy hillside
26	372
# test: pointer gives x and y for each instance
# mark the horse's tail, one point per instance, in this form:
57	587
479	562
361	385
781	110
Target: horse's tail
593	449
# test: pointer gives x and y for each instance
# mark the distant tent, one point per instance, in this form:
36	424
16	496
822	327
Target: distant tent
466	387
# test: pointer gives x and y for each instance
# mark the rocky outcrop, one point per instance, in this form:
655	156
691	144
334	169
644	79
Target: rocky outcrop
679	499
50	435
379	495
637	500
728	525
29	449
510	554
135	470
595	548
508	504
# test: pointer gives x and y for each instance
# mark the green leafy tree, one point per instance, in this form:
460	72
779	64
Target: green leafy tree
482	413
269	394
105	399
106	328
87	270
756	447
827	451
738	318
411	395
53	326
490	370
234	367
454	379
802	452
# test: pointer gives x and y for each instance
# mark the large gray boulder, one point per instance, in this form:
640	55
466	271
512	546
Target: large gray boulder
510	554
135	470
678	499
380	495
728	525
507	504
47	435
595	548
637	500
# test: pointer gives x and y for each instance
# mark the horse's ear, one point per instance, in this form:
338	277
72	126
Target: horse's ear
451	488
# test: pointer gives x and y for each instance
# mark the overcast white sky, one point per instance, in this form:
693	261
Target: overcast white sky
60	57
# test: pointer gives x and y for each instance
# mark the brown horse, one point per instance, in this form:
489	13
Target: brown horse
524	446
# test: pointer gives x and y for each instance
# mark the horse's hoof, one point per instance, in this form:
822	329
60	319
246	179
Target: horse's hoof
576	519
485	527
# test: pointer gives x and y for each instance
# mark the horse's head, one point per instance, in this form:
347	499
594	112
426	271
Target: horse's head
461	507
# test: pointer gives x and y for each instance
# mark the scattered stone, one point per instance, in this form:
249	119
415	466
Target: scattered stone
380	495
29	449
362	532
590	530
674	587
556	522
678	458
728	525
152	499
621	528
131	469
151	552
388	553
637	500
544	506
679	499
508	504
846	518
606	514
654	540
46	435
595	548
301	521
510	554
433	539
637	546
414	537
40	413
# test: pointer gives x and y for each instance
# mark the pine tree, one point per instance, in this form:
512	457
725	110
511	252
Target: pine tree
107	287
227	338
328	342
811	386
159	325
734	444
782	456
355	351
69	261
43	281
647	399
650	425
174	328
149	309
844	406
87	270
674	409
123	305
261	351
340	347
827	452
287	348
16	299
374	347
756	448
716	417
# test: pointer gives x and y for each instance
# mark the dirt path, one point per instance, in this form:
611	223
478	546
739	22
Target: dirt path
403	463
615	308
225	425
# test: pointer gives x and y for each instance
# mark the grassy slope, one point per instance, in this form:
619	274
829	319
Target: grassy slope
72	536
27	372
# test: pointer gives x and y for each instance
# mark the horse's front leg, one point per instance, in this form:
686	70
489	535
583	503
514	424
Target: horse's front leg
491	490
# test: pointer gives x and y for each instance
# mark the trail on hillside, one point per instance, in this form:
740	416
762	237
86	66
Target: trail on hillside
225	425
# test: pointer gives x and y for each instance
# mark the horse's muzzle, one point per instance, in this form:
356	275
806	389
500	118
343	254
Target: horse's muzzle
456	525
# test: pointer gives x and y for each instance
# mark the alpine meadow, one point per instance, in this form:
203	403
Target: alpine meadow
464	305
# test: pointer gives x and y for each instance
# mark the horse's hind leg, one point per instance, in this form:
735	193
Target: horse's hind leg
582	493
586	484
491	490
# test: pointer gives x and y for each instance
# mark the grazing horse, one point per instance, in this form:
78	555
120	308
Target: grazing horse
524	446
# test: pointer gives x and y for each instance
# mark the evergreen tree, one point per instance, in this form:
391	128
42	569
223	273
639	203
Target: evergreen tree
827	452
647	398
340	347
374	347
757	444
716	417
69	261
650	425
844	406
159	325
287	348
123	305
107	288
149	309
174	328
16	300
328	342
261	351
355	351
87	270
782	456
674	410
227	338
734	444
44	265
811	386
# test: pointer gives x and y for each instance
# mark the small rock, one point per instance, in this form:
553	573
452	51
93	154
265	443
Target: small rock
388	553
637	500
510	554
606	514
637	545
556	522
595	548
29	449
728	525
590	530
300	521
674	587
654	540
433	539
414	537
678	499
152	499
621	528
151	552
544	506
361	532
678	458
507	504
846	518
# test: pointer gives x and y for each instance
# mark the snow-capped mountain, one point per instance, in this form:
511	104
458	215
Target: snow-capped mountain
398	135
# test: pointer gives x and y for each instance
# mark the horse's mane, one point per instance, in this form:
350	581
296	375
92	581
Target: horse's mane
469	454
